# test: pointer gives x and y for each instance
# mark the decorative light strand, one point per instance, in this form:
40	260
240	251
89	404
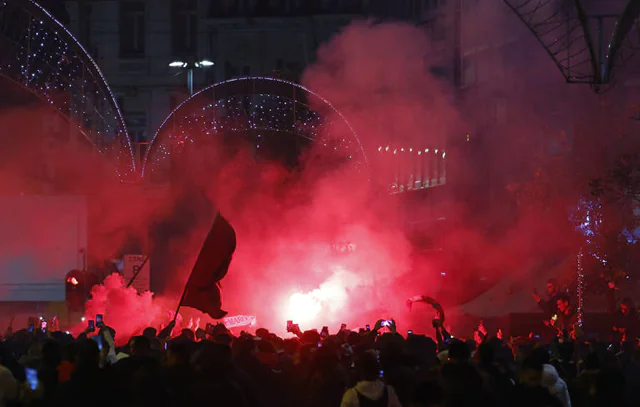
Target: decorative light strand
580	280
255	116
50	62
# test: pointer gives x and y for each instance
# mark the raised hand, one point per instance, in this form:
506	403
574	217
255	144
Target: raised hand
378	325
392	326
481	328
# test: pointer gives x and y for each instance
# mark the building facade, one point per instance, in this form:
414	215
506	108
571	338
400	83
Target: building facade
134	41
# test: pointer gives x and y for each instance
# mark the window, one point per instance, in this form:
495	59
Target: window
224	8
230	71
352	6
184	27
132	29
174	101
84	22
138	135
137	125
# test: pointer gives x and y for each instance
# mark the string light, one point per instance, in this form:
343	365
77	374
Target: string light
49	61
273	106
580	286
419	171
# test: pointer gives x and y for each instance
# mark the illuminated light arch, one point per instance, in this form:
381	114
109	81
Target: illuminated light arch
253	107
38	53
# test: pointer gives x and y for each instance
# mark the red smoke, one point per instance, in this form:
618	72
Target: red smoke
289	223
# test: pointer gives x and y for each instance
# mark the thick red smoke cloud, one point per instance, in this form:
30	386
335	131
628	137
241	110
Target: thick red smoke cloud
324	244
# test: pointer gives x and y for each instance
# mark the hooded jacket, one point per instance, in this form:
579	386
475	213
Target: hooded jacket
556	386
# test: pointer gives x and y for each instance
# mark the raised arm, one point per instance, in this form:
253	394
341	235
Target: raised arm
430	301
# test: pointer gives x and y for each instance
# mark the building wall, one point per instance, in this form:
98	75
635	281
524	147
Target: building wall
134	41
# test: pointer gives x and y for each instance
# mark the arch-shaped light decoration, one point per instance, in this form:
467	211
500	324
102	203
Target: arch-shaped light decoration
254	107
42	56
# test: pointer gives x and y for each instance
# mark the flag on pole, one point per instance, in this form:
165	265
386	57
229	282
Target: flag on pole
203	288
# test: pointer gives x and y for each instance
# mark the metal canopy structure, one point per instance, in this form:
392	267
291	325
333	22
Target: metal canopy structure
38	53
588	40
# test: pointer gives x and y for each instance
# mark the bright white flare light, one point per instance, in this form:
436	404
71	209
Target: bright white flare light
178	64
205	63
322	304
303	309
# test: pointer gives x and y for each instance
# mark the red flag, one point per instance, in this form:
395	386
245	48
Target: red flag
203	288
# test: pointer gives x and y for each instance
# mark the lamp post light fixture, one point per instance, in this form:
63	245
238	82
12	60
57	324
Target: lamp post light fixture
190	66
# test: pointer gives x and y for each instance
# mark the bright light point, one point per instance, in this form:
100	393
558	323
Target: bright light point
444	154
206	63
411	150
436	151
402	149
379	148
443	274
303	308
386	149
178	64
395	151
419	152
426	150
82	319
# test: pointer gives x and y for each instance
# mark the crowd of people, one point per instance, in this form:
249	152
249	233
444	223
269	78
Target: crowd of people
372	366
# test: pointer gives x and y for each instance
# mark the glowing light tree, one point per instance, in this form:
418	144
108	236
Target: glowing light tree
43	57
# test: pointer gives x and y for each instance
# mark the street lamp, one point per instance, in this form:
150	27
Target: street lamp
190	66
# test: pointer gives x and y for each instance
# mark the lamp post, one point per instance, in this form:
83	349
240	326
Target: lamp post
190	67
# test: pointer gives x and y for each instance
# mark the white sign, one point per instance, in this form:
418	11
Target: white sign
132	264
240	320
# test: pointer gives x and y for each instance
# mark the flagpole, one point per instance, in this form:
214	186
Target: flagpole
184	292
135	275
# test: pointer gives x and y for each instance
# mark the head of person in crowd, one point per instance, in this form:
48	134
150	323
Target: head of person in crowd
177	354
150	333
459	351
140	346
368	366
530	374
563	303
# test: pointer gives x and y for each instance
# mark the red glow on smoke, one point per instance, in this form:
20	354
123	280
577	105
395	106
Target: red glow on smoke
289	222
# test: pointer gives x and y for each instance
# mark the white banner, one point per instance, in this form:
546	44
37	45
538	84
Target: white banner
132	263
238	321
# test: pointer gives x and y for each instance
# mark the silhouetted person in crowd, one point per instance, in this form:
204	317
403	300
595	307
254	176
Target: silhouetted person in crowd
548	305
625	323
136	374
8	383
566	317
370	389
529	392
88	381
